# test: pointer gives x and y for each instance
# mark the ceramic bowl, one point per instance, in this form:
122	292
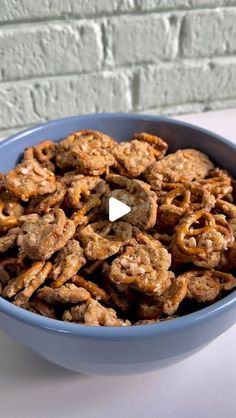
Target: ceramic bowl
101	350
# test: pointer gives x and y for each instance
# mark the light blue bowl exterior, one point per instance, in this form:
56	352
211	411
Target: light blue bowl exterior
99	350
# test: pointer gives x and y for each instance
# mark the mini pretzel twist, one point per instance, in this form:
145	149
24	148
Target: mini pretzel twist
172	209
219	183
9	268
185	230
83	216
10	214
97	292
178	192
27	282
44	151
206	285
46	202
68	262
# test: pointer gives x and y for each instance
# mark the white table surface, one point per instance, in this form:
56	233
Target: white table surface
203	386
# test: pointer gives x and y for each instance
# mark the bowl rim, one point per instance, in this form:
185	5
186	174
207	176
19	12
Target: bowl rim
128	332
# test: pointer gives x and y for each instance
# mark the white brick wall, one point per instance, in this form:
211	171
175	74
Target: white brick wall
62	57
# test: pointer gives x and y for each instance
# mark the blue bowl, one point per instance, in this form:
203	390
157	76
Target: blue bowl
101	350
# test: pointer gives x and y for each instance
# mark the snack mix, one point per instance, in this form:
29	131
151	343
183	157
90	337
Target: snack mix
172	254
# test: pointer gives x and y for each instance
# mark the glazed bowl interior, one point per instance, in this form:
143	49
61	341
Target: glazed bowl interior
120	127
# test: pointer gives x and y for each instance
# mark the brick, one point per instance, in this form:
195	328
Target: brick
207	34
95	7
47	49
16	10
16	105
142	39
29	102
152	5
171	84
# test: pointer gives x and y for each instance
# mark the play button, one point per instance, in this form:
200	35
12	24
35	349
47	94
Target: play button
117	209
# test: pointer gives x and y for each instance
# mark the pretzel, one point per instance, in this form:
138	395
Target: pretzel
24	280
171	210
143	266
82	188
62	258
226	208
46	202
93	313
44	152
148	311
10	214
68	261
206	285
33	285
174	295
201	198
69	293
103	239
2	181
164	239
70	177
231	258
8	240
9	268
28	154
42	307
87	151
157	143
166	304
184	230
96	292
182	166
30	179
201	246
218	182
86	214
117	298
40	237
132	158
137	195
92	266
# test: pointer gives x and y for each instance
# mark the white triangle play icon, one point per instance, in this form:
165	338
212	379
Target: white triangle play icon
117	209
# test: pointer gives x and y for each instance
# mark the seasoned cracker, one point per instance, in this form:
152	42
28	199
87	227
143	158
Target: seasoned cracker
22	298
104	239
68	293
87	151
8	240
68	262
40	237
143	266
201	245
45	203
182	166
137	195
81	189
93	313
133	157
30	179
